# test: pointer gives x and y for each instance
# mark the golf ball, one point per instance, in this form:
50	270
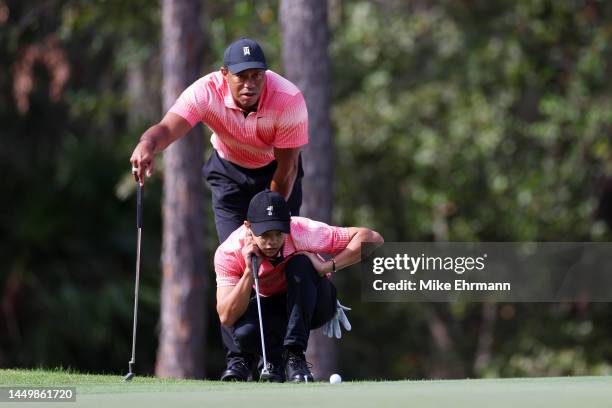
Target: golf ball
335	379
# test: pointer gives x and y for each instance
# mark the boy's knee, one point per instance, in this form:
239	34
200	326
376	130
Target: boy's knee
300	267
299	263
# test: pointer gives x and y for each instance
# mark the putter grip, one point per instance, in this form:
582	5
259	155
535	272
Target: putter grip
139	195
254	267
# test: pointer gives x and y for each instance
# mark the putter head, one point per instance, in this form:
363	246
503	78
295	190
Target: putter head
128	377
265	376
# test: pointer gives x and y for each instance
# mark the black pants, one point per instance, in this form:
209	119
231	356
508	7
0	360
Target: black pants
233	187
287	318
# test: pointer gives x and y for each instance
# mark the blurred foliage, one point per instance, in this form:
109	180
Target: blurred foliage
454	120
475	121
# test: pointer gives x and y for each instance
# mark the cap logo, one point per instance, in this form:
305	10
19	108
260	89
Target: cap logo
246	50
270	208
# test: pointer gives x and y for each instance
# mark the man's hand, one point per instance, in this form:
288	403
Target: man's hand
321	266
143	160
154	140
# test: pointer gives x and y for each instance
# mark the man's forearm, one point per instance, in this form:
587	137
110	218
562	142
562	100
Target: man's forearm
158	135
283	180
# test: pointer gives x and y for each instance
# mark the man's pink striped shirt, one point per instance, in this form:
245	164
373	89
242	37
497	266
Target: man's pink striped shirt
306	235
281	119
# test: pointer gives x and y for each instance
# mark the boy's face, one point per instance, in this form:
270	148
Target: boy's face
270	242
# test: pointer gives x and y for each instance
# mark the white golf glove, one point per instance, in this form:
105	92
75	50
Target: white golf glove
332	327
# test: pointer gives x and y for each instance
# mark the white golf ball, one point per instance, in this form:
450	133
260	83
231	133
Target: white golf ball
335	379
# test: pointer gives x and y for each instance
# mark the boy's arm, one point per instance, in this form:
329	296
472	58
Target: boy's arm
232	301
350	255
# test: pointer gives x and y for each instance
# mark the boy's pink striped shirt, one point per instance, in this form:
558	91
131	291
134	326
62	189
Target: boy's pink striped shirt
281	119
306	235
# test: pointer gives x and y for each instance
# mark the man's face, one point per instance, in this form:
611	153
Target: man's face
270	242
245	86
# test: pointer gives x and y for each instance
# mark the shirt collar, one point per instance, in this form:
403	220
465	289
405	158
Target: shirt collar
278	258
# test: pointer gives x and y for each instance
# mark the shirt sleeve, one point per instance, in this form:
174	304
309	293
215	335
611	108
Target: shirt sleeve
193	103
292	127
315	236
227	268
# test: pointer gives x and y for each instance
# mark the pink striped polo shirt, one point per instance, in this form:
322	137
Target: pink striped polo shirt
281	119
306	235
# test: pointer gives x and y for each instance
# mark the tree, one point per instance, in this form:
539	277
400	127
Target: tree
181	341
306	61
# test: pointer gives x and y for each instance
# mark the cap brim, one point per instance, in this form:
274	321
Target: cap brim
261	228
236	68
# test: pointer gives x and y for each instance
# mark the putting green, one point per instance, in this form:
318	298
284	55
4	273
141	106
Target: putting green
110	391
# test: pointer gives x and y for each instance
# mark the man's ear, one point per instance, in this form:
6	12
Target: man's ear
224	71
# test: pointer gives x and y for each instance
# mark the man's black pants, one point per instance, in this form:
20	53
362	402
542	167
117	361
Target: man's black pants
287	318
234	186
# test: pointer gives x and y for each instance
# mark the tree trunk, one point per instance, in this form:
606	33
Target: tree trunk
485	338
445	361
183	318
306	62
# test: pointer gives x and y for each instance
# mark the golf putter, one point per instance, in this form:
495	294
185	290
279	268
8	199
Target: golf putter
265	372
132	361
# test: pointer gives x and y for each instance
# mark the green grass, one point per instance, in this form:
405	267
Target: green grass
110	391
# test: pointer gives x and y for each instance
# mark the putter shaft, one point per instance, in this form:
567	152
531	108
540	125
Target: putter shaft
264	371
133	359
139	198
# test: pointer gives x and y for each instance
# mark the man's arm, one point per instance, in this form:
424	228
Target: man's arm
349	255
154	140
286	171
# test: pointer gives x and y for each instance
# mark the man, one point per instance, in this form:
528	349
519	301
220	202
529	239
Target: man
259	122
297	295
